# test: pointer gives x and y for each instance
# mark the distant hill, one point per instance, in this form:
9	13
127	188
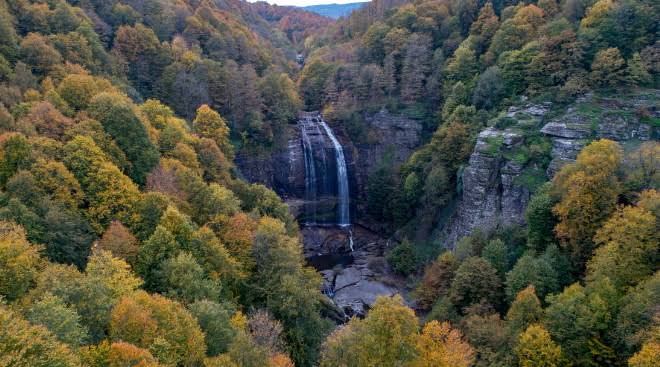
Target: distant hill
334	10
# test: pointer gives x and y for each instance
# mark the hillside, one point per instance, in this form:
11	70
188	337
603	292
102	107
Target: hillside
334	11
450	183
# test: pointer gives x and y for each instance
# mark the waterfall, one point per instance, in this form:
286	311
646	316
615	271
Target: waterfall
342	177
310	170
313	129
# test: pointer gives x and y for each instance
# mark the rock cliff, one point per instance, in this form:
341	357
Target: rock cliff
503	171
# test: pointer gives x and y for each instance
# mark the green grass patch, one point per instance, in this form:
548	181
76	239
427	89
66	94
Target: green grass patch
493	146
531	178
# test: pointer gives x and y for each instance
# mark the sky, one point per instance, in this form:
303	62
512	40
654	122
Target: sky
310	2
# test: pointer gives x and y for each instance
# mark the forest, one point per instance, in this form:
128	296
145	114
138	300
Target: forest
130	237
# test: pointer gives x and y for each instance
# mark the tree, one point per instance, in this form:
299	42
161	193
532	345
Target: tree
525	310
281	100
628	251
416	65
215	321
489	336
574	318
589	189
160	246
535	348
608	68
25	345
540	219
183	279
648	356
636	320
118	240
110	194
436	281
489	89
119	119
531	270
209	124
15	154
402	258
386	337
79	89
37	52
637	71
59	318
476	280
441	346
117	354
19	262
153	322
497	254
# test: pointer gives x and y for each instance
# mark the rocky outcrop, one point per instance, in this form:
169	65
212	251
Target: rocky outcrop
491	192
352	279
495	184
598	118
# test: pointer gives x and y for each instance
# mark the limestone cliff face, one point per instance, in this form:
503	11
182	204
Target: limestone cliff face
497	183
492	192
391	136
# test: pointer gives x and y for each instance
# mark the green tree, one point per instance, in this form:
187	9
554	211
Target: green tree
402	258
525	310
215	321
476	281
59	318
531	270
184	280
573	318
635	321
25	345
118	117
497	254
540	219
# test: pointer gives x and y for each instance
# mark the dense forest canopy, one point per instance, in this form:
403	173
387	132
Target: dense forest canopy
129	238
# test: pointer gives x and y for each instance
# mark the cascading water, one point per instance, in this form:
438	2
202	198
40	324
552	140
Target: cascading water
310	171
343	197
318	180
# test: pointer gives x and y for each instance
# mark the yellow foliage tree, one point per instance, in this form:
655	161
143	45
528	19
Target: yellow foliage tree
536	349
441	346
588	189
209	124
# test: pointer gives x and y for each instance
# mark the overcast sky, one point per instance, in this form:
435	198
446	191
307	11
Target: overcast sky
310	2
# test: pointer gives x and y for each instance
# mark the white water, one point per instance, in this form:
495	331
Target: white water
342	178
350	239
310	168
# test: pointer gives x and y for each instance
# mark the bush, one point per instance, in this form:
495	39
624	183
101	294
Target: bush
402	258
